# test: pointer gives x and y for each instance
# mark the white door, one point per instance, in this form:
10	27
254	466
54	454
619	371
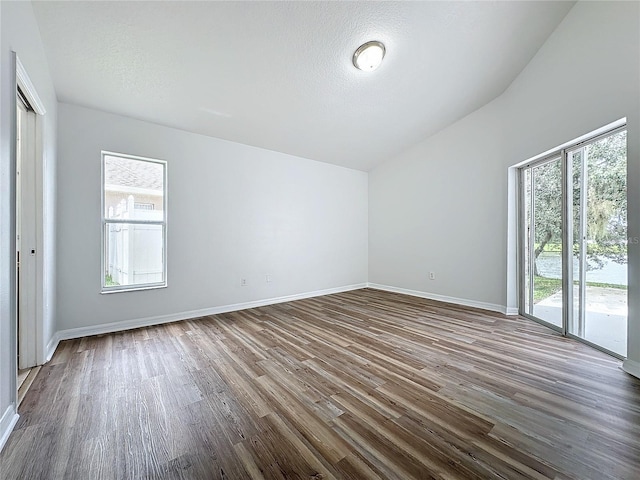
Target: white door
26	234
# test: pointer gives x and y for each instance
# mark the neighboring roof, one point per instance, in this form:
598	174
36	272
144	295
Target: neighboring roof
126	172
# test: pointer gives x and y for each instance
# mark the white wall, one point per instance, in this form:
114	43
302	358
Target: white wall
442	205
234	212
19	33
422	218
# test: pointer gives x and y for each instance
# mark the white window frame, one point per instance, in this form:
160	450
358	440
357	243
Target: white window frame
105	221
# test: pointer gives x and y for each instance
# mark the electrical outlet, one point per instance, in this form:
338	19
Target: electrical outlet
432	275
267	278
243	282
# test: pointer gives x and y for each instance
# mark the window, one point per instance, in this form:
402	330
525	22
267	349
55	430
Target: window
134	222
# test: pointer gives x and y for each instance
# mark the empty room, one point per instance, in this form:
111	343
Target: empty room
319	240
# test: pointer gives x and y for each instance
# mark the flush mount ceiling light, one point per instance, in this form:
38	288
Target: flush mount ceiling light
369	56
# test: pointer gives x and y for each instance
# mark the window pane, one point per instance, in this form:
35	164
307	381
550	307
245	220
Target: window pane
134	254
547	242
133	189
576	159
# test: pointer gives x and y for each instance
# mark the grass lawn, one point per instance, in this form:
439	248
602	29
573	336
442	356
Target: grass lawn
545	287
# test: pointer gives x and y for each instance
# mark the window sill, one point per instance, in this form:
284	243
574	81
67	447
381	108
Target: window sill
133	288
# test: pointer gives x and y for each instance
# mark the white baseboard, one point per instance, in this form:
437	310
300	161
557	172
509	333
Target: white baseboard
174	317
511	311
7	422
631	367
51	346
443	298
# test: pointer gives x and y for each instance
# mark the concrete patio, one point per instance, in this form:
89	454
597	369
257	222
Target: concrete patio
605	320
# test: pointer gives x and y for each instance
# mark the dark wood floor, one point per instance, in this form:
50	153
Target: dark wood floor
358	385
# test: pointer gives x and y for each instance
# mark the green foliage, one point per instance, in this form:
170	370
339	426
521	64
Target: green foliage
604	285
108	281
606	190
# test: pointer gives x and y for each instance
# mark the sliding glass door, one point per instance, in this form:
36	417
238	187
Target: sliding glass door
543	241
573	241
599	240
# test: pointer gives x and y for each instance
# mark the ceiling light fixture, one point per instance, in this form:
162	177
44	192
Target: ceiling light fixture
369	56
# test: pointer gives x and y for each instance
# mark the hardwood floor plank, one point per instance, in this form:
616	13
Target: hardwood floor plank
358	385
312	429
320	467
354	467
388	457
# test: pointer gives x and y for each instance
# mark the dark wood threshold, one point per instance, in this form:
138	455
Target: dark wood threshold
26	378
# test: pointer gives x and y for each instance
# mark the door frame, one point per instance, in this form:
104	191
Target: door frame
34	346
548	158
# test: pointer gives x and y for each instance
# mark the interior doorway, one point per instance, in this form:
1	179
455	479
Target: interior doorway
26	232
28	192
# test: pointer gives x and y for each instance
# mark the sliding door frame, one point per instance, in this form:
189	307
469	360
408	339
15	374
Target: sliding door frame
567	236
522	238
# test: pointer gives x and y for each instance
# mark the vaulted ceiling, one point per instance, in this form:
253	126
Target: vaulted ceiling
279	75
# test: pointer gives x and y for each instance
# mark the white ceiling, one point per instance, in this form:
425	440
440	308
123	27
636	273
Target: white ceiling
278	75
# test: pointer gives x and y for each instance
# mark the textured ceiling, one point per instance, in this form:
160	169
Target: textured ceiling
278	75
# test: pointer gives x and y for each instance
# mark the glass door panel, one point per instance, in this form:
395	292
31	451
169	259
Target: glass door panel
599	213
527	277
542	209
